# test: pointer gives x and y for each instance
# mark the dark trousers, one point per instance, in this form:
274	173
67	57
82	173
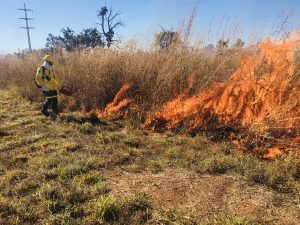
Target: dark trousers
51	101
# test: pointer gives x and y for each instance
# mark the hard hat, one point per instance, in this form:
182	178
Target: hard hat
48	58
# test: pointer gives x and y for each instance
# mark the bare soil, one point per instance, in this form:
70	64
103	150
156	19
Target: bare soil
201	197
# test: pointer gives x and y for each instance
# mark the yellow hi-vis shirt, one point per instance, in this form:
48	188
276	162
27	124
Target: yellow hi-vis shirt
48	78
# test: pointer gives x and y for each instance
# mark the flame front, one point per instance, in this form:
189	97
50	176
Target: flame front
119	105
263	94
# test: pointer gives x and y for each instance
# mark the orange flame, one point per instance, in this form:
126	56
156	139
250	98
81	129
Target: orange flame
264	93
119	105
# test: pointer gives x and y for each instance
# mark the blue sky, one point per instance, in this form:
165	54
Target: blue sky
255	19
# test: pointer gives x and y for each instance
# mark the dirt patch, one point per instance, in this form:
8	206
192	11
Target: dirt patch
202	197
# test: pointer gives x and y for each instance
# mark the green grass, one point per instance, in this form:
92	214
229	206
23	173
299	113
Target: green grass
10	145
109	210
59	172
227	220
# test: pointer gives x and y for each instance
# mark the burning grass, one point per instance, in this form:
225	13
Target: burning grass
120	105
262	95
249	96
79	170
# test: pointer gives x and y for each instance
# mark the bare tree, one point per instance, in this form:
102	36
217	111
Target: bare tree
223	44
239	43
108	24
165	39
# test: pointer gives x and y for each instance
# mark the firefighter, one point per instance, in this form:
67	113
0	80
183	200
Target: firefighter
50	84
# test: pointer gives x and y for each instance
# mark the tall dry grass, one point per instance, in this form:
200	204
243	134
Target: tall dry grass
97	74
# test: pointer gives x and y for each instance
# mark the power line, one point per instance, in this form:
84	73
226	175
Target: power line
27	27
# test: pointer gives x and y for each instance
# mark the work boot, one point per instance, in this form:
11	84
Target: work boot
45	112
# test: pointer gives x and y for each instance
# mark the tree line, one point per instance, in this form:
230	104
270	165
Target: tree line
90	37
109	22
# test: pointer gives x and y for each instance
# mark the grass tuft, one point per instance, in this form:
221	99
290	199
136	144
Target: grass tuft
227	220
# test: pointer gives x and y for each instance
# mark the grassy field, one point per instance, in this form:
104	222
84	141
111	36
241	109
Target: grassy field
73	170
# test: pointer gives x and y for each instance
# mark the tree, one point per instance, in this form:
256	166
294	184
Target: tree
210	48
222	44
108	24
239	43
165	39
70	41
53	42
89	38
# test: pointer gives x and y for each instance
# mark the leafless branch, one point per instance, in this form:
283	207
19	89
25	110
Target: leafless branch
108	18
117	14
108	25
117	24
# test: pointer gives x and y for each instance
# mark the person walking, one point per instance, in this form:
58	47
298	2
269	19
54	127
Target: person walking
50	84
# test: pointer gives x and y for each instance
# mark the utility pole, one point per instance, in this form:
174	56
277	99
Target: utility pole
27	27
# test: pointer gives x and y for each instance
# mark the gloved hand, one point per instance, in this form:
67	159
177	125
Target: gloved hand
45	88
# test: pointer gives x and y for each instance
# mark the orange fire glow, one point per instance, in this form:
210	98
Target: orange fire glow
263	94
119	105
